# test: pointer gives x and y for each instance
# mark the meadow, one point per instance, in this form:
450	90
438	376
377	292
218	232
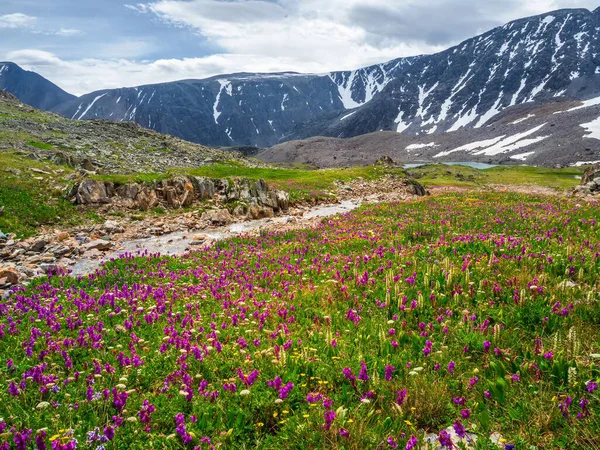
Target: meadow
473	311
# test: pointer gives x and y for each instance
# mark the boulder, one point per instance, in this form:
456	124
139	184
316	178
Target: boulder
416	189
187	197
218	217
240	210
128	191
3	237
62	236
204	187
110	226
283	200
260	212
98	244
91	191
8	276
146	199
590	174
170	196
38	246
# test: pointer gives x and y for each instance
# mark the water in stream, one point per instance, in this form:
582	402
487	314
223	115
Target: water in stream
177	243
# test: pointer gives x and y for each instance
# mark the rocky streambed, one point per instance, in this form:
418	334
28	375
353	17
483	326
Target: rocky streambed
243	207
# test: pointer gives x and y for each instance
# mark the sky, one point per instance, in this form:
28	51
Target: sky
88	45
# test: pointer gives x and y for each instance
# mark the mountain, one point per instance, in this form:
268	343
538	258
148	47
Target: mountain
536	60
230	110
31	88
555	133
533	59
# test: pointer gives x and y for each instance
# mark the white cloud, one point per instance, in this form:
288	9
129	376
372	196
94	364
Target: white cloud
67	32
86	75
313	36
17	20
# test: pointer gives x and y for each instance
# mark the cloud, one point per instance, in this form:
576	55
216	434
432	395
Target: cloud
140	7
17	20
311	36
87	75
67	32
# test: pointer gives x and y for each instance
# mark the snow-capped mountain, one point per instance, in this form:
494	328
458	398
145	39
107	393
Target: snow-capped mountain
536	59
31	88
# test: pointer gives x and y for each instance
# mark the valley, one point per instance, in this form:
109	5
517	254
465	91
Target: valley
400	256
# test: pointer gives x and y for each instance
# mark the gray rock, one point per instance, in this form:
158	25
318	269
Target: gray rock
38	246
98	244
3	237
218	217
111	227
91	192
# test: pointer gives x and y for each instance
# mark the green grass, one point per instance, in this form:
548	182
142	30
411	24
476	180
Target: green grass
40	145
463	176
301	184
31	199
481	308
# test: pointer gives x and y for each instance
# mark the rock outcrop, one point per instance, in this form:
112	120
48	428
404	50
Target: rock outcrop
243	194
590	182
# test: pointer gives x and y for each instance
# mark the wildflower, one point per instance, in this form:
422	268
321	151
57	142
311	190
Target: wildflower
451	366
486	346
564	406
13	389
347	371
389	370
459	429
363	374
109	432
591	386
465	413
445	439
344	433
401	397
329	417
391	442
472	382
515	378
583	403
412	442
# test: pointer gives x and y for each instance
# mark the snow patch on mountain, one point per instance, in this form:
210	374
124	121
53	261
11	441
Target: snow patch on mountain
592	128
91	105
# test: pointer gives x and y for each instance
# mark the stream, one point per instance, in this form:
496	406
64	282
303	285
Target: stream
177	243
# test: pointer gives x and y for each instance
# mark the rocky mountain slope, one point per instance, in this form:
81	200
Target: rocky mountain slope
532	61
98	145
31	88
535	59
557	133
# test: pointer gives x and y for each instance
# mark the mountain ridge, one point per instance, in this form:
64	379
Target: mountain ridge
30	87
528	60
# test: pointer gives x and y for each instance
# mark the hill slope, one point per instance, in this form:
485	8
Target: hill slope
108	147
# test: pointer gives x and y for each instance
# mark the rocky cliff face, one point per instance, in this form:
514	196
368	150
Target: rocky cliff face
31	88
